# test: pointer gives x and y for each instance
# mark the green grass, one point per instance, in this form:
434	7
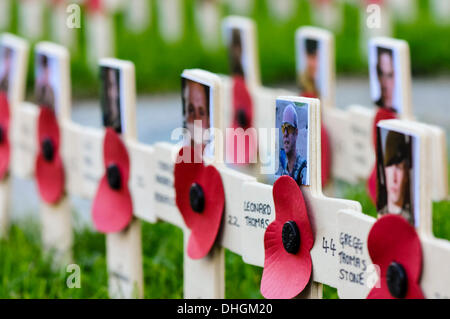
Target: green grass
159	64
26	273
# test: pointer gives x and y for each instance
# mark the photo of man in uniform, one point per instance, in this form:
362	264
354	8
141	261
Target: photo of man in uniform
44	92
196	106
395	188
386	78
308	77
7	56
110	98
291	163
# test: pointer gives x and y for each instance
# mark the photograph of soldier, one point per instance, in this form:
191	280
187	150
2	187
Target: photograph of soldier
235	52
6	67
292	121
395	168
196	110
384	79
44	91
110	97
309	71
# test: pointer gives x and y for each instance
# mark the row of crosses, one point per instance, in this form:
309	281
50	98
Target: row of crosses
301	237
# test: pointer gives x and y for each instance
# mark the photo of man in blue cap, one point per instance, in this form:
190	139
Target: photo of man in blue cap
291	162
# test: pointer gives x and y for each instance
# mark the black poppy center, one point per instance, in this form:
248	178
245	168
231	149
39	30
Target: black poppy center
197	198
48	149
241	118
397	280
113	175
291	237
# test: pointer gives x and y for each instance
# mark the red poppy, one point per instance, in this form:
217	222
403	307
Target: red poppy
242	118
394	246
4	135
49	166
382	114
112	209
287	243
94	5
200	197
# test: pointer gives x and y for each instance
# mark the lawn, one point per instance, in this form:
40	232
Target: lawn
26	273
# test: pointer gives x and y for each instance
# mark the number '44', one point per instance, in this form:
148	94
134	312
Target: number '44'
325	246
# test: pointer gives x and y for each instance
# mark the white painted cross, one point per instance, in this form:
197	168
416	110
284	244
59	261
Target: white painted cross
282	9
5	14
31	19
100	35
441	11
61	31
327	14
138	15
171	19
353	227
375	21
207	19
13	67
53	77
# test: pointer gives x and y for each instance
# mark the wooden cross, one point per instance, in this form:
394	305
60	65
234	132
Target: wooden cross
240	7
350	129
207	18
56	218
326	13
354	227
5	14
171	19
404	10
100	35
262	98
282	10
138	15
376	21
441	11
31	18
60	30
12	72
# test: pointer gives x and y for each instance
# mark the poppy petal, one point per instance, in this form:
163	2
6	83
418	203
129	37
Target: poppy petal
50	175
184	176
205	225
48	127
115	152
50	178
393	239
4	139
278	279
112	209
4	157
395	232
242	118
242	101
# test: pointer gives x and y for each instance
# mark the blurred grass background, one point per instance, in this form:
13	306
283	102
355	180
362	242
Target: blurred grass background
159	64
26	273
